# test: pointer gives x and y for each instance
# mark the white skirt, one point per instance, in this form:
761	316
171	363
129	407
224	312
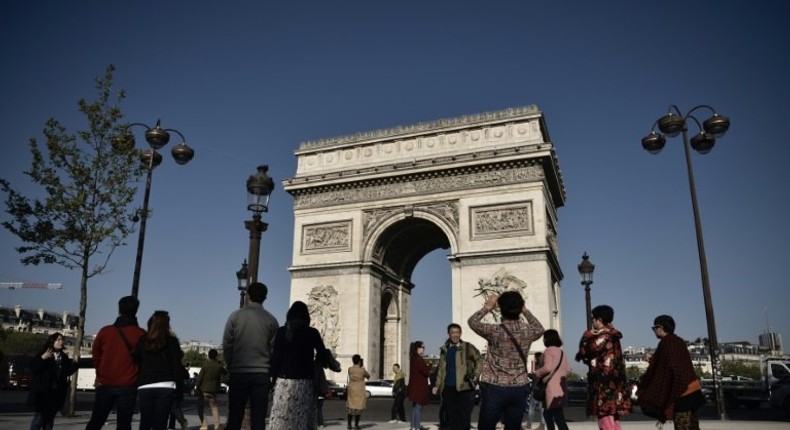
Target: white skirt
294	406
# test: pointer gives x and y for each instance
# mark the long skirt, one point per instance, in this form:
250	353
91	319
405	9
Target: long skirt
294	406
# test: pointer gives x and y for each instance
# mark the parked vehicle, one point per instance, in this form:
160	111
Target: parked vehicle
780	394
378	388
338	391
16	372
749	393
577	391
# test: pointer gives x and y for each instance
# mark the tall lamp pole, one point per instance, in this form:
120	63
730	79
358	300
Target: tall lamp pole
586	269
259	189
672	124
242	277
157	137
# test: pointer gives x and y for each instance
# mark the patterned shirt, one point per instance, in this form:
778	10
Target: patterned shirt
503	365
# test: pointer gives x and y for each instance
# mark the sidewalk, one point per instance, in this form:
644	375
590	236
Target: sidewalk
22	421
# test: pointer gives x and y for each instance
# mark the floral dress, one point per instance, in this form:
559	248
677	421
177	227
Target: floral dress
608	392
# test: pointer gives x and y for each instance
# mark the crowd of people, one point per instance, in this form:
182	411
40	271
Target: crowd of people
144	368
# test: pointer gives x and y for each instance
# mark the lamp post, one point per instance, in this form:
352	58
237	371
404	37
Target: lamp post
259	189
157	137
586	269
243	282
672	124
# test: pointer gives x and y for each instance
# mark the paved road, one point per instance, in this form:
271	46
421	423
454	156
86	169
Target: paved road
14	413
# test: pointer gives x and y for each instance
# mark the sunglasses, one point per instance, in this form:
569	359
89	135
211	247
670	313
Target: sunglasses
656	327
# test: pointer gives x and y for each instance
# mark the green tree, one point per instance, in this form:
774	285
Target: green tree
17	342
573	376
633	372
87	179
739	368
193	358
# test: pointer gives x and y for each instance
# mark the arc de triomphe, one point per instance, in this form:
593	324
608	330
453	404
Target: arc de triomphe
369	206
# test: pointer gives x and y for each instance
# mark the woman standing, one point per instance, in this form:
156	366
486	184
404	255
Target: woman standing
608	396
297	347
51	368
159	357
418	383
356	398
554	373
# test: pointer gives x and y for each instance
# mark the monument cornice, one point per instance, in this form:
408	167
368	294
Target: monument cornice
464	121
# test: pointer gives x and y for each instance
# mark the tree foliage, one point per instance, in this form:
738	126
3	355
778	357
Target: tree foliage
20	343
740	368
87	184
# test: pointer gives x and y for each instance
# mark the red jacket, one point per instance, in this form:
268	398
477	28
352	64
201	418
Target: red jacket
418	381
113	362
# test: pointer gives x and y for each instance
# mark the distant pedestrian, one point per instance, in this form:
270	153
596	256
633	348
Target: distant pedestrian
51	368
208	384
161	373
535	413
297	347
247	344
417	390
356	398
504	384
553	374
670	385
608	395
459	367
397	412
116	371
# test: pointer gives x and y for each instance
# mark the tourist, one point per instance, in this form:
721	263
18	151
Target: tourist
397	412
459	367
51	368
417	389
356	394
208	384
553	375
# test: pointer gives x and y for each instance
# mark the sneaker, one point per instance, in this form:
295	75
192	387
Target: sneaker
392	421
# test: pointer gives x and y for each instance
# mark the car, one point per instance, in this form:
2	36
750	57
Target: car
16	372
338	391
577	391
378	388
780	394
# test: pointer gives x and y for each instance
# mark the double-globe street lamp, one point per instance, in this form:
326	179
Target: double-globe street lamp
586	269
672	124
259	190
157	137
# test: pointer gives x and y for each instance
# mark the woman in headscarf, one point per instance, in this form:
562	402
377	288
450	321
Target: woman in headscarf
296	348
51	368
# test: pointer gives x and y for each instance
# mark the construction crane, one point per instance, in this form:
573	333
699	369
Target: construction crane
33	285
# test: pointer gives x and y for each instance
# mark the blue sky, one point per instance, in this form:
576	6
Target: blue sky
247	81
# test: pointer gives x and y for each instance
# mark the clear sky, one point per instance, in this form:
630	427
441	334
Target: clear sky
247	81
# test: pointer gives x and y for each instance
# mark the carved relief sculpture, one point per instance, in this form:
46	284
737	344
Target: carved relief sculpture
324	307
326	237
497	284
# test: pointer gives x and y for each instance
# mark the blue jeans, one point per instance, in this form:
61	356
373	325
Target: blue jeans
155	405
508	403
243	387
123	398
416	415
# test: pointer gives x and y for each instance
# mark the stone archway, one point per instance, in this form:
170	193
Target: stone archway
369	206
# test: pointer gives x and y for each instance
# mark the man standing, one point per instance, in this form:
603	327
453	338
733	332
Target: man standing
504	381
459	368
398	413
207	383
116	371
247	344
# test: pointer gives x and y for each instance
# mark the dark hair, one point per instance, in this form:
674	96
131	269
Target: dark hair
538	354
50	342
158	331
510	304
396	364
298	311
414	346
128	306
551	337
257	292
356	359
666	322
212	353
453	325
605	313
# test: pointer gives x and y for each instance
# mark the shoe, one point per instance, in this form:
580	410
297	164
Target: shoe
183	424
392	421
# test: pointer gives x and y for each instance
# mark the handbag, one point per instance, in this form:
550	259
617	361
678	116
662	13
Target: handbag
539	391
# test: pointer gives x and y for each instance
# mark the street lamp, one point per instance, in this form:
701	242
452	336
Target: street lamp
671	125
586	270
157	137
243	282
259	189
